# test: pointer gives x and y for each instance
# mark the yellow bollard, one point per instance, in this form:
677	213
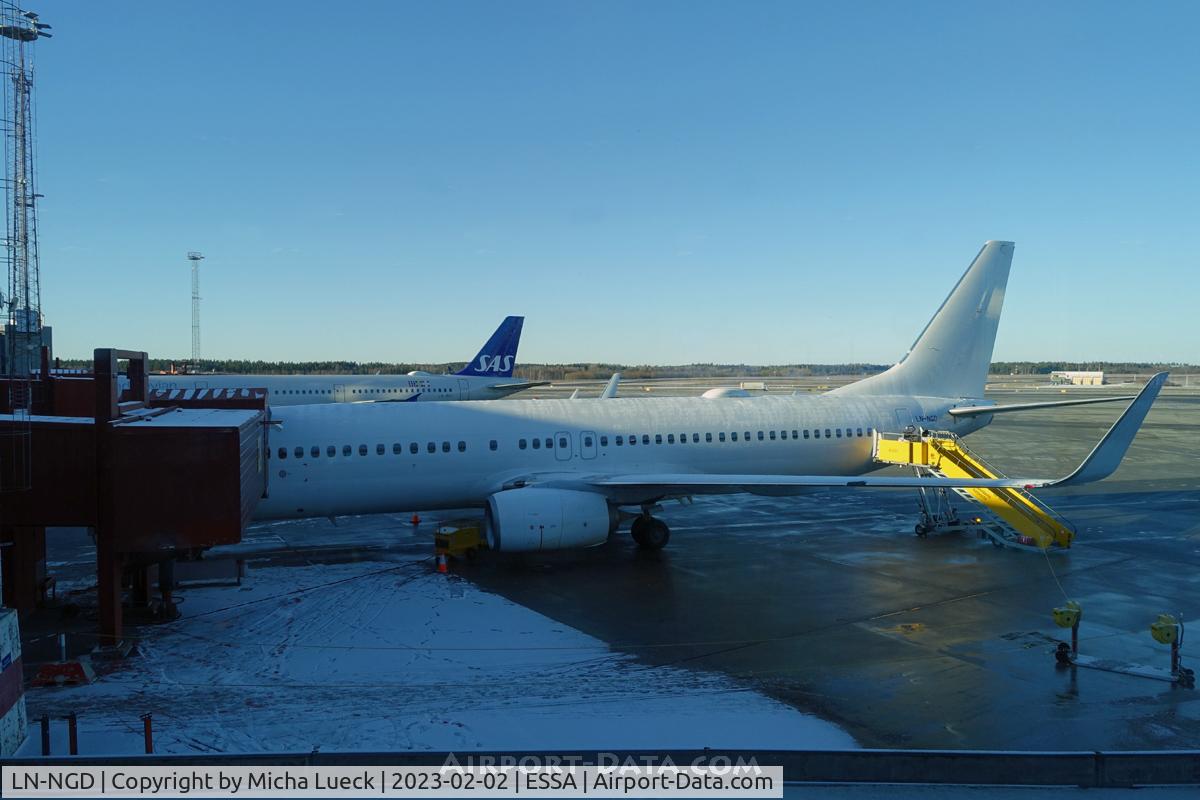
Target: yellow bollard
1068	616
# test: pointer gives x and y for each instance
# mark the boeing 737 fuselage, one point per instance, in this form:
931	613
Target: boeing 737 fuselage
557	473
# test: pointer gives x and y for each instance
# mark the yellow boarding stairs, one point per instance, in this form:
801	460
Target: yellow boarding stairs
1010	517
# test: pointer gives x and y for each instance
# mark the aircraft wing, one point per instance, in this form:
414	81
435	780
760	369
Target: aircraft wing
610	391
1100	463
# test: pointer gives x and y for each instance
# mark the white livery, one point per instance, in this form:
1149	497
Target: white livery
488	376
558	473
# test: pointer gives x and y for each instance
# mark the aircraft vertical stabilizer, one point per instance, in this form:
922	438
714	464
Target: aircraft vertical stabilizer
952	355
499	354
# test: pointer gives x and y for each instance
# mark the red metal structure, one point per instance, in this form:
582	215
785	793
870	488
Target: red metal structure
155	477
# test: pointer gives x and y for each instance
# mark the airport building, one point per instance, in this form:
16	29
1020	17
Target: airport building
1077	378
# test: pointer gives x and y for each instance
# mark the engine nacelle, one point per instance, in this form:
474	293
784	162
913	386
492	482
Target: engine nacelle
532	519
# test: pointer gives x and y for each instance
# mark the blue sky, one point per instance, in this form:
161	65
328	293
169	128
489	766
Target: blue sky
646	182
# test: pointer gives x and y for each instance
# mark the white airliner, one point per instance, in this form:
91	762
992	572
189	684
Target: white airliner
557	473
488	376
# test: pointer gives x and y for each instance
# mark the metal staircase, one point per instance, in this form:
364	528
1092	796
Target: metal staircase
1011	517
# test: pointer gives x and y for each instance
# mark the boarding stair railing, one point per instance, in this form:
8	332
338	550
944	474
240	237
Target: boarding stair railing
1009	516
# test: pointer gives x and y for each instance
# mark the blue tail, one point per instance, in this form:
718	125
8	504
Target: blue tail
497	357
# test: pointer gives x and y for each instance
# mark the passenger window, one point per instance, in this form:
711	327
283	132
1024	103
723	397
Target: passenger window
721	436
858	431
380	449
397	449
772	435
315	451
619	440
520	444
562	443
733	436
760	436
282	452
493	445
645	438
783	434
362	449
632	440
670	438
747	436
414	448
816	433
299	451
658	438
806	433
537	444
550	443
683	438
828	435
331	451
795	434
346	450
462	447
445	447
431	447
839	432
708	437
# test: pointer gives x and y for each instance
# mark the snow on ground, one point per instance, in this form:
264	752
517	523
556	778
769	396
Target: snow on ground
392	656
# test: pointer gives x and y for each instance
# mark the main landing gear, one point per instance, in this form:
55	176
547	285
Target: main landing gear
650	533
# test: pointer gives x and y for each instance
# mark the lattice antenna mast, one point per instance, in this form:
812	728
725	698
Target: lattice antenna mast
195	258
18	30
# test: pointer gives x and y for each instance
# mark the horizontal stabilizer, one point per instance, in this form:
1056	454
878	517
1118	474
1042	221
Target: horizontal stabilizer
976	411
518	385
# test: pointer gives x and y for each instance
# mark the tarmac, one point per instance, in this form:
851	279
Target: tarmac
829	603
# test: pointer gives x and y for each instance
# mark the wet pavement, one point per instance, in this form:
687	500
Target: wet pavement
828	601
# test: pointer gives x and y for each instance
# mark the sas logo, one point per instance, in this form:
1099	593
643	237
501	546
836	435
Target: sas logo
495	363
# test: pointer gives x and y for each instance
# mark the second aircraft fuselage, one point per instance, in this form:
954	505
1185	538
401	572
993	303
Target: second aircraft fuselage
290	390
330	460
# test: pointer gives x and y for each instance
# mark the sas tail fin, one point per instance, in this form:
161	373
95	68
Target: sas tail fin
952	355
498	356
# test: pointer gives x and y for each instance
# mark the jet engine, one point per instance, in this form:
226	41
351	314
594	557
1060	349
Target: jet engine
533	519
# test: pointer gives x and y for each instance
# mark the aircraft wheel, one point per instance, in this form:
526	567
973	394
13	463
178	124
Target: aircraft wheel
650	533
921	529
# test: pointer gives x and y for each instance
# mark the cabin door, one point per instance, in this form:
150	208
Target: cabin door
562	446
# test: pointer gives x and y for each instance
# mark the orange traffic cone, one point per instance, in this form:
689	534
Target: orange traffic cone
416	520
442	567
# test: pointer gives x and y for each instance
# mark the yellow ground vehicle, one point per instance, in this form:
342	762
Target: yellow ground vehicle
458	538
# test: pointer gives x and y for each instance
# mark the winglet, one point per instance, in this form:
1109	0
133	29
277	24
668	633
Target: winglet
499	353
1106	456
610	390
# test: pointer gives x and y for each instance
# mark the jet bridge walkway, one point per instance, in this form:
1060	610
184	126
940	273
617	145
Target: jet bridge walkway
1009	516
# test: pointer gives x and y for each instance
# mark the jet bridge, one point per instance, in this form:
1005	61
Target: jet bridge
155	476
1009	516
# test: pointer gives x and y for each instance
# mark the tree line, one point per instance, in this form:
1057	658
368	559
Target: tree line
602	371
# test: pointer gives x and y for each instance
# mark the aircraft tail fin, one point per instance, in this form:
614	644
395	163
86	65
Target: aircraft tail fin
499	354
952	355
